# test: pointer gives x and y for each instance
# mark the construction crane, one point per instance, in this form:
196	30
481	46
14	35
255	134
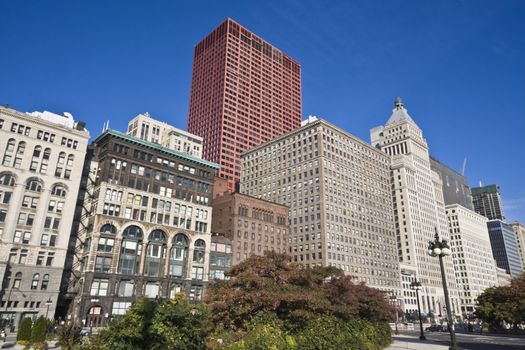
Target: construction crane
464	166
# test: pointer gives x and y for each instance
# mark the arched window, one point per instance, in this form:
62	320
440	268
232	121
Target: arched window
70	160
33	185
179	256
131	250
34	282
155	253
108	229
199	251
37	151
10	147
60	164
59	191
45	282
21	148
47	154
18	278
7	180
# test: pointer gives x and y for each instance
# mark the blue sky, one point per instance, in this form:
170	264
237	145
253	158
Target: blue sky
459	66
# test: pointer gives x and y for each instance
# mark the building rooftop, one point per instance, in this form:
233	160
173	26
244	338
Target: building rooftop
485	189
158	148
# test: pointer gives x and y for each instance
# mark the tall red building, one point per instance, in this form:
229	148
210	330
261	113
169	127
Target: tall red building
244	91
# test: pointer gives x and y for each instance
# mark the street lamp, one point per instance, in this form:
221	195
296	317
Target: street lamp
441	249
48	304
394	300
416	285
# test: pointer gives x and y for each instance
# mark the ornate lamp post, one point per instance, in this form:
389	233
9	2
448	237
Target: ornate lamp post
416	285
394	300
441	249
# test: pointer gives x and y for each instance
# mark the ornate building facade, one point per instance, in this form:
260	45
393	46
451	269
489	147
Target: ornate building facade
146	227
42	155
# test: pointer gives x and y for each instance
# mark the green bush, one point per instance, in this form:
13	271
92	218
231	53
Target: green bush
38	333
330	333
23	336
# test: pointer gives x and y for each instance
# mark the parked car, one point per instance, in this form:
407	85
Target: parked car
435	328
85	331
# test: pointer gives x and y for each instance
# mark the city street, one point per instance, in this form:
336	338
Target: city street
409	340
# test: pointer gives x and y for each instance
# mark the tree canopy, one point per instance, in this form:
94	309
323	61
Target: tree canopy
501	306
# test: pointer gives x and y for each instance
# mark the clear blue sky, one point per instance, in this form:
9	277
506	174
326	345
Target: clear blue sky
459	66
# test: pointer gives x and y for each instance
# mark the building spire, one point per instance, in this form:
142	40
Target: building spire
398	103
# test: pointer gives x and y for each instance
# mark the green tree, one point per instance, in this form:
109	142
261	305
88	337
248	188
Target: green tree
23	335
296	294
69	336
38	333
152	325
499	306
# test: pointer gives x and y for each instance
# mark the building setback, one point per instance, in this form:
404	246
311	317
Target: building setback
244	91
505	247
145	230
474	264
42	156
519	231
487	202
148	129
455	185
419	209
253	225
338	190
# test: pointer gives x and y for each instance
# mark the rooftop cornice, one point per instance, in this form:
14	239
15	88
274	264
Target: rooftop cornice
157	148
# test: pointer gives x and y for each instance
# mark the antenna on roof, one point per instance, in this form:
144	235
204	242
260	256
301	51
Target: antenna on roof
464	166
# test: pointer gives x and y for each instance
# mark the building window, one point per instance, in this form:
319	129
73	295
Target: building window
99	287
199	251
151	290
105	244
131	250
125	288
197	273
45	282
34	282
120	307
103	264
155	252
179	256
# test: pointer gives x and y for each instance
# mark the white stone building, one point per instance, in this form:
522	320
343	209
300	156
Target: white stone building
338	190
474	264
41	158
519	231
148	129
419	209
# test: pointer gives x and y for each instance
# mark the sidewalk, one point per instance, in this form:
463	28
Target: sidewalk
408	342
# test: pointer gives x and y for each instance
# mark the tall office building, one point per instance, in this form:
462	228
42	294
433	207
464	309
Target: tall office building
474	264
145	227
419	208
244	91
519	231
505	247
487	202
42	155
455	185
337	188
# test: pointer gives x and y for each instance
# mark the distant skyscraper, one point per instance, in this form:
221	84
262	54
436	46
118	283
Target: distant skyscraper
338	190
519	231
471	254
455	185
487	202
244	91
505	247
419	209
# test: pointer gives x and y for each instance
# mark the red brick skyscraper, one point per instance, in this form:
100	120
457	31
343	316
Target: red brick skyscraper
244	91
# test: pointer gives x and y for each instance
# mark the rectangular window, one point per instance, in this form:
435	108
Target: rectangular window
102	264
99	287
197	273
120	307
